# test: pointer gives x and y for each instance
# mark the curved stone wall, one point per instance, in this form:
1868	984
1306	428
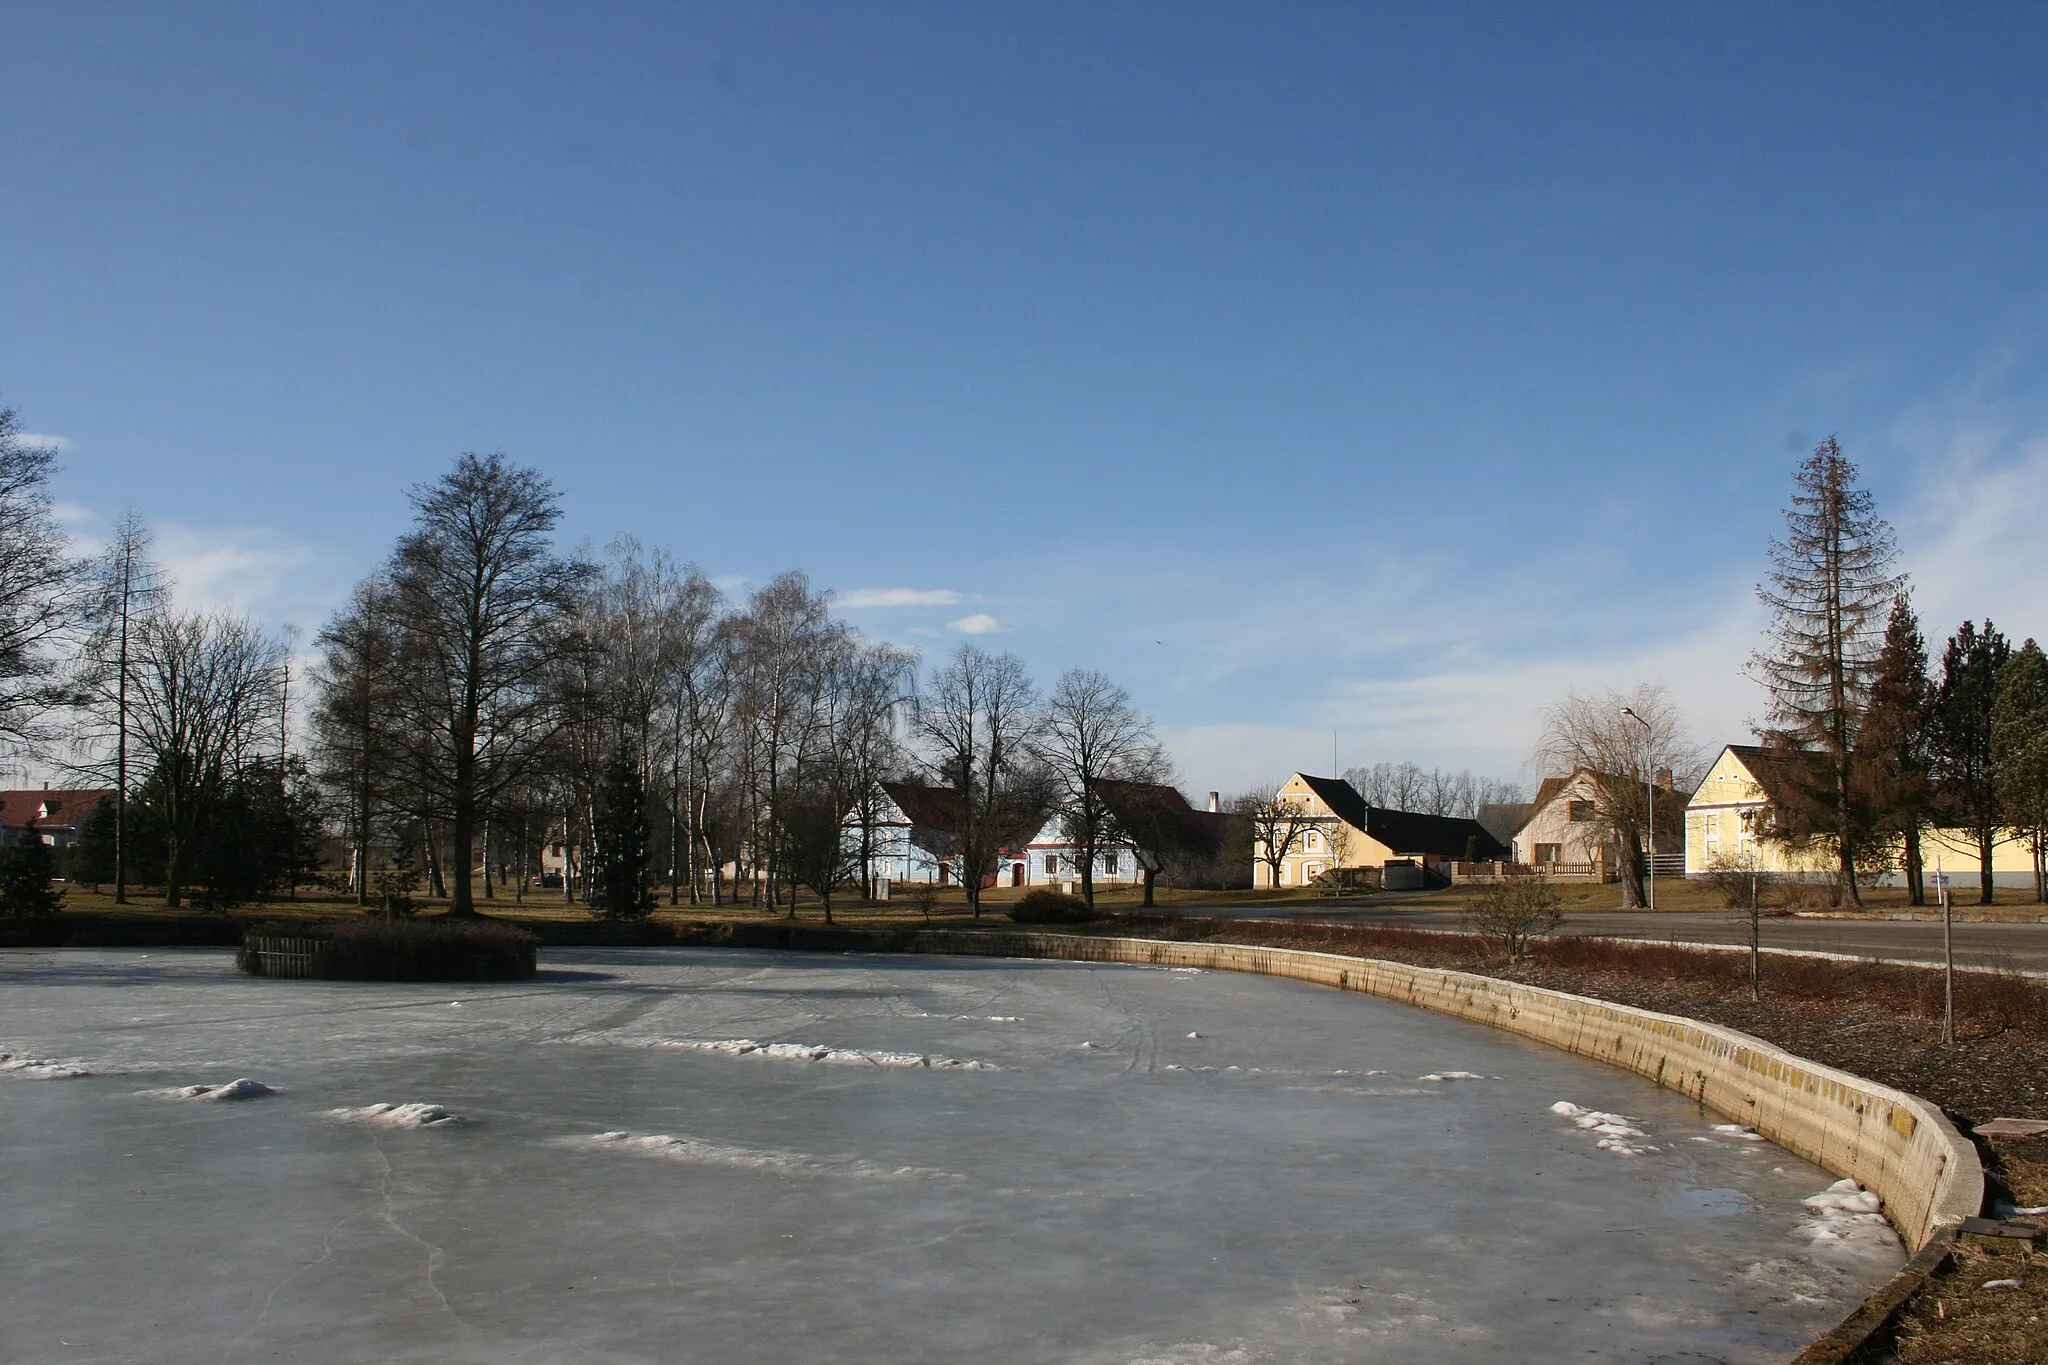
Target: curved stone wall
1895	1144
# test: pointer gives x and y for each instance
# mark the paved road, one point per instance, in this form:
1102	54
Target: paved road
2021	946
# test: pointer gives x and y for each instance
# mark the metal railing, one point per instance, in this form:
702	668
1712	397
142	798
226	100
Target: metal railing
286	957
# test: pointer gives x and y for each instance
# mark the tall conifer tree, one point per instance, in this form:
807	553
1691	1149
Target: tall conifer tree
1831	579
1962	740
2019	753
1891	758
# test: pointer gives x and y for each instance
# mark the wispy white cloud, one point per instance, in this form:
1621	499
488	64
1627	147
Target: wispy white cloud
72	515
898	597
980	623
1973	538
43	439
242	569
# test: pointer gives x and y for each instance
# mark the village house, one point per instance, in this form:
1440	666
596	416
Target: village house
1563	836
1733	806
53	816
1406	847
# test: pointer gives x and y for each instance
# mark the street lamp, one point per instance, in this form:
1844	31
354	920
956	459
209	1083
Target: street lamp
1650	804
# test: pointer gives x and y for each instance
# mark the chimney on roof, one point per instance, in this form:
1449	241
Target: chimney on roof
1216	801
1664	778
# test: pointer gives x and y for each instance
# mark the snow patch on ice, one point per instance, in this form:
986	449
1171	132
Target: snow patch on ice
1618	1132
1452	1076
399	1116
240	1089
813	1052
698	1151
21	1066
1845	1215
1739	1132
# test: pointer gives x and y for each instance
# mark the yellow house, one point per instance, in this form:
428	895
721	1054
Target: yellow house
1734	800
1338	829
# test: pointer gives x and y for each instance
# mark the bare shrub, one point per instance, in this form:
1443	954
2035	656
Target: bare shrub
1511	913
1732	883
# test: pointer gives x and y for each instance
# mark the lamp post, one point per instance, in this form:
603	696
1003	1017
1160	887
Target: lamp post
1650	806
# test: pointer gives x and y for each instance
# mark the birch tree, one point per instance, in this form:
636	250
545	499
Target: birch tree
1092	733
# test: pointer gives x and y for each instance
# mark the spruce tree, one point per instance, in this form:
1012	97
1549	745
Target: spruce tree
1962	740
26	871
1891	757
1831	579
2019	753
620	882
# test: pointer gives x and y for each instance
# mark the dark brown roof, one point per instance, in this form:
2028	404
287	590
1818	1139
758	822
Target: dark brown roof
1775	769
1503	819
68	806
1407	833
1157	817
925	807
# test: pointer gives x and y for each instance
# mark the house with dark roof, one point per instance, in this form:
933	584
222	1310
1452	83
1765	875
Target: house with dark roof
1343	831
1563	834
910	830
1159	834
50	815
1732	813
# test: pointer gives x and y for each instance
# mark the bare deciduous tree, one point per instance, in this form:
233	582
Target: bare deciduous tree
1619	756
481	598
1093	733
1278	823
127	585
353	713
203	699
976	721
44	595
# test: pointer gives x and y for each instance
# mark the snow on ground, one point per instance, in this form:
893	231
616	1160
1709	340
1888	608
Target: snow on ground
1453	1076
240	1089
1846	1213
399	1116
697	1151
1618	1133
23	1067
810	1052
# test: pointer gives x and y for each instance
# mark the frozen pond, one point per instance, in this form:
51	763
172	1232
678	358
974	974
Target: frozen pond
996	1160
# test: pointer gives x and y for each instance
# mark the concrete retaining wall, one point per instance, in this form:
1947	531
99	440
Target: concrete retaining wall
1893	1143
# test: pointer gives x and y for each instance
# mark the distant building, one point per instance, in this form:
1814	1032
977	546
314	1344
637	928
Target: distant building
50	815
1345	832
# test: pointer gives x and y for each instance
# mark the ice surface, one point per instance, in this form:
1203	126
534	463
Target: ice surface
413	1115
615	1199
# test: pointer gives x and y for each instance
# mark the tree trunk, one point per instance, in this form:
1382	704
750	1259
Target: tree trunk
462	844
1151	879
1986	888
1916	866
1088	876
174	888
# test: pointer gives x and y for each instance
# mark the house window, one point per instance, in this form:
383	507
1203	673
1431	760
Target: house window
1052	864
1580	812
1549	854
1109	863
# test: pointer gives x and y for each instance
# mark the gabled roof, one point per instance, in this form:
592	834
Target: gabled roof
1504	819
1153	812
1407	833
1775	769
66	805
926	807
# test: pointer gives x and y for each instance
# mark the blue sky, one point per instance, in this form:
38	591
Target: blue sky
1385	370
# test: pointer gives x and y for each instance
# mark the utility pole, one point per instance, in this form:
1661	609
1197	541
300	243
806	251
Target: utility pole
1948	958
